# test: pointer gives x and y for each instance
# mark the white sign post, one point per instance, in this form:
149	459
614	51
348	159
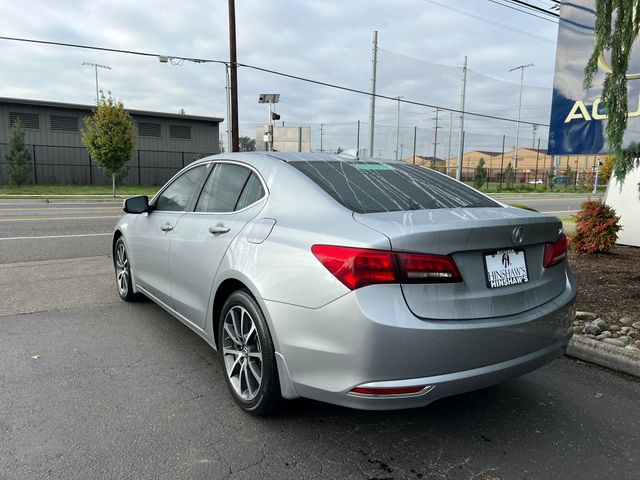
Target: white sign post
625	201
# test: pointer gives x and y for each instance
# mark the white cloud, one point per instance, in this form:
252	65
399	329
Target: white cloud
326	40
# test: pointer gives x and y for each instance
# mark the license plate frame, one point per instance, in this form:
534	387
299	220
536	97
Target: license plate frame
505	267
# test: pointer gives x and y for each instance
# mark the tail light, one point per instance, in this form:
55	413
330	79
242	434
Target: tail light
359	267
555	252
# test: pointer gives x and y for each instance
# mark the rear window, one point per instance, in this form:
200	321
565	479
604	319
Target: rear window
371	187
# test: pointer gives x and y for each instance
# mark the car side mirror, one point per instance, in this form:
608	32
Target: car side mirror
139	204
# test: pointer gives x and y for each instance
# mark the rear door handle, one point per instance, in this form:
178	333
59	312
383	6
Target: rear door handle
218	229
166	227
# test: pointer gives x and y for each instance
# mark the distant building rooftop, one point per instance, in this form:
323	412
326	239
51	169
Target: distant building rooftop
47	103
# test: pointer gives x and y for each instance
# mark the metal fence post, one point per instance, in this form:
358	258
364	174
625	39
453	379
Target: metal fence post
90	170
35	166
502	164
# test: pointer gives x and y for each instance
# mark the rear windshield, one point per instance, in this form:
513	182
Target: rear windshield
371	187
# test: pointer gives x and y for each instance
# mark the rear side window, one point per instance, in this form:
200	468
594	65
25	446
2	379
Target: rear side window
229	188
176	196
371	187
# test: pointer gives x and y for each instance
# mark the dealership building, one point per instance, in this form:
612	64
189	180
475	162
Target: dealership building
165	142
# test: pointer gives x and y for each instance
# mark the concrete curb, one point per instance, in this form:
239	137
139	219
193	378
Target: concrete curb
594	351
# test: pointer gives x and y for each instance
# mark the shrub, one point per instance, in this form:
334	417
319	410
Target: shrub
596	227
18	158
480	175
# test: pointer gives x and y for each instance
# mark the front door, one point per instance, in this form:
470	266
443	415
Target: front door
153	231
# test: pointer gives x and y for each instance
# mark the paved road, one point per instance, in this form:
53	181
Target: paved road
43	231
92	387
562	205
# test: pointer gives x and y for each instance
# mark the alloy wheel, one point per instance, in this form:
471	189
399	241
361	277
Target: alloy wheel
242	353
123	270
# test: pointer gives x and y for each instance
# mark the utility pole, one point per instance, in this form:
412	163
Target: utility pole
534	127
235	139
228	99
521	68
435	140
372	106
96	66
398	127
449	150
415	134
321	133
461	137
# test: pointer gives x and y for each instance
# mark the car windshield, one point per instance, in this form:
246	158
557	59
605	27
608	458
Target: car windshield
372	187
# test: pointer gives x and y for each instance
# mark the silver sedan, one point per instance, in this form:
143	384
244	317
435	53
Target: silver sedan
368	284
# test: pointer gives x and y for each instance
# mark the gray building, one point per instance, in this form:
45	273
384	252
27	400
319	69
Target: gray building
166	142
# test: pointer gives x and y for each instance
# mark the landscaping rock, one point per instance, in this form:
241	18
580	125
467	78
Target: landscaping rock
600	323
625	329
615	328
577	330
636	325
585	316
603	335
593	330
637	343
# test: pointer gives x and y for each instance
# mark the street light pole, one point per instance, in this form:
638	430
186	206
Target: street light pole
96	66
521	68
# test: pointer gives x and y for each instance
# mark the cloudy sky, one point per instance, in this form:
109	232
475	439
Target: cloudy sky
422	46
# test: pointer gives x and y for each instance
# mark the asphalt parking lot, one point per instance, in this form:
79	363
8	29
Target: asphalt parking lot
92	387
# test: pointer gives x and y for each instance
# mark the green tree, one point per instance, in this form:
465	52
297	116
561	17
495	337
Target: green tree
552	175
247	144
509	176
568	177
480	176
18	157
110	136
616	28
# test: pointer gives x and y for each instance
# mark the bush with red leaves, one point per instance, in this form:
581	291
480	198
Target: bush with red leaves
596	227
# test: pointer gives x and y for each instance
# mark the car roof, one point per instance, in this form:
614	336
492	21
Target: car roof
288	157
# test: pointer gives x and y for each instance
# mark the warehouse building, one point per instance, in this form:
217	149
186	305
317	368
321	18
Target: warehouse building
165	142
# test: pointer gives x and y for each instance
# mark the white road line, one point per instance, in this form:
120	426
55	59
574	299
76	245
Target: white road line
59	236
568	212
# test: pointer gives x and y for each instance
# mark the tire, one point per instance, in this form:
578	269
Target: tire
123	272
248	356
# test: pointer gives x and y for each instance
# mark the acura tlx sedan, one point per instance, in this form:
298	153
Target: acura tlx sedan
368	284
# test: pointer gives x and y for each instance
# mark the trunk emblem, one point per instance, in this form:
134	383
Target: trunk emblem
517	235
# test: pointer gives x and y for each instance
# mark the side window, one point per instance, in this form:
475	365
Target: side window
251	193
176	196
229	188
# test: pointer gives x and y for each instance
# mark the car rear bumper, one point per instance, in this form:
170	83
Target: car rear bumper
369	337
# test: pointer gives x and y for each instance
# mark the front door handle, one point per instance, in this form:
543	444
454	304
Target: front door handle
218	229
166	227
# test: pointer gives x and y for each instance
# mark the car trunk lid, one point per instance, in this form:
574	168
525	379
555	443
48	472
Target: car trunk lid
484	243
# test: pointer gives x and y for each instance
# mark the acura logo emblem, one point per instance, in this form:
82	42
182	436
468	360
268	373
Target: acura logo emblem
517	235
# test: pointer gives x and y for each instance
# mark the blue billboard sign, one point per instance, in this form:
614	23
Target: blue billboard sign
578	119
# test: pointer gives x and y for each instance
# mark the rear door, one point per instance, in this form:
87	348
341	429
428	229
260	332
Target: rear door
232	195
153	231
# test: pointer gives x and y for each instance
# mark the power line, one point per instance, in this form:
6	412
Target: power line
260	69
533	7
523	11
498	24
